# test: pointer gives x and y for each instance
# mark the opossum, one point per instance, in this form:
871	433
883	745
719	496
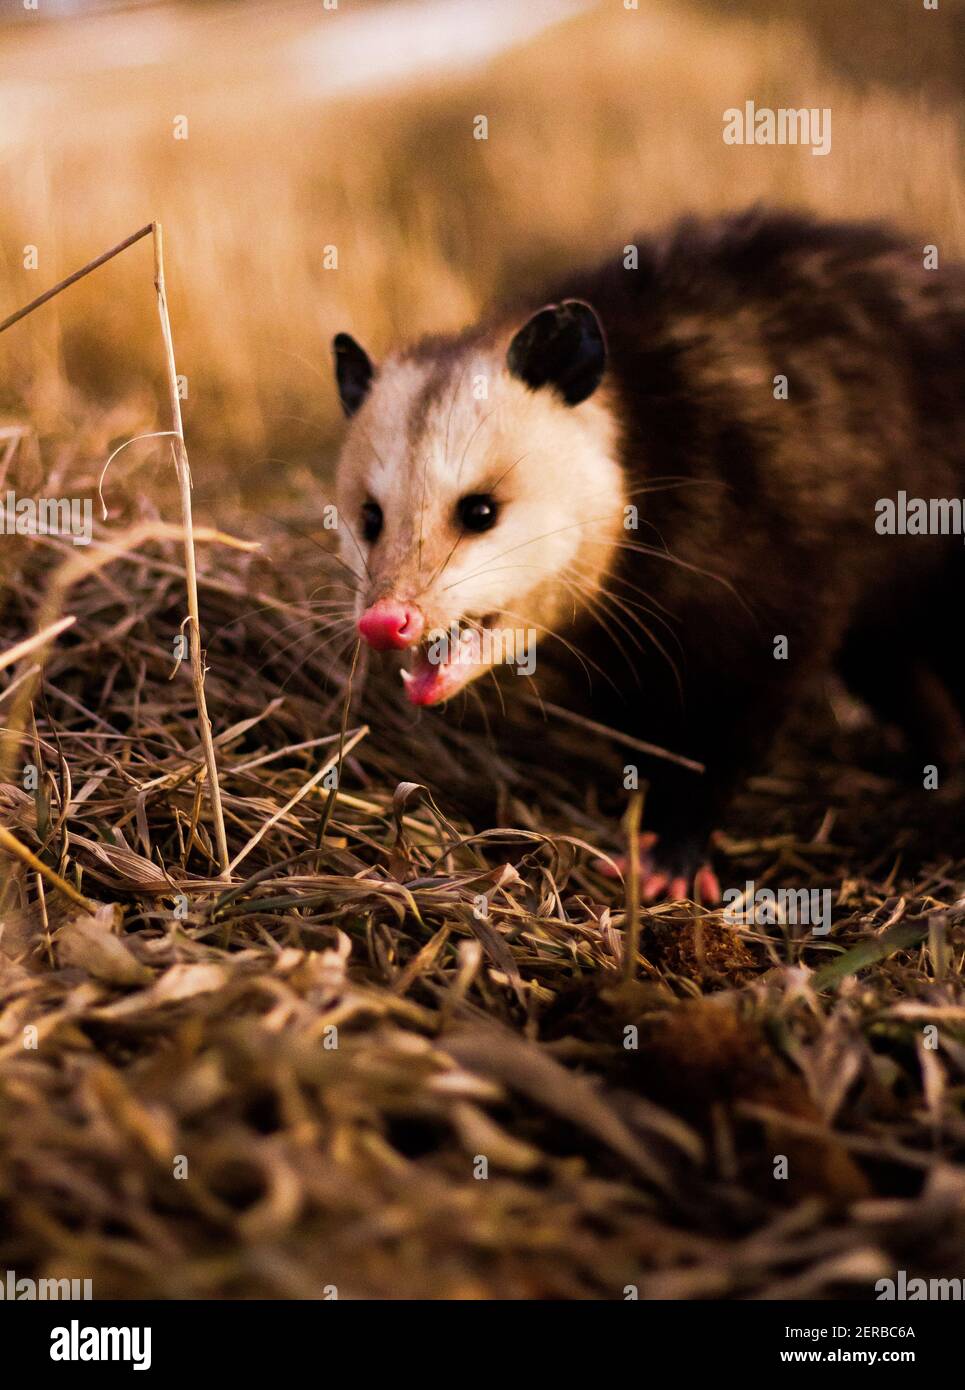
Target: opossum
673	468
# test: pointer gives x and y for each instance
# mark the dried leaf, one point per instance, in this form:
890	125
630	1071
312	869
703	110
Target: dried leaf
89	943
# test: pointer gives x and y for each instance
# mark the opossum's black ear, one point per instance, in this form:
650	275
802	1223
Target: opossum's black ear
353	372
562	346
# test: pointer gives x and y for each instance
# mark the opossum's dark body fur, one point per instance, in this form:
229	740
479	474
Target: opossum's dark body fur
777	497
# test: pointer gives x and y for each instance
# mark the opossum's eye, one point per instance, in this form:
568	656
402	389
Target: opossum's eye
371	521
477	512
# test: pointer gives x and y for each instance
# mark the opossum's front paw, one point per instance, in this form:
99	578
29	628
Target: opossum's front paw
667	871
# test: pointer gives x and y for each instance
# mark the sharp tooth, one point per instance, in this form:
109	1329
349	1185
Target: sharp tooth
407	676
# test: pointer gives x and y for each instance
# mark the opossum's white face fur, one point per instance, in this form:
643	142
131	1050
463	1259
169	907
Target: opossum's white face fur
479	497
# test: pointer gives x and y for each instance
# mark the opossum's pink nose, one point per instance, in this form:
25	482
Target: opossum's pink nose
389	623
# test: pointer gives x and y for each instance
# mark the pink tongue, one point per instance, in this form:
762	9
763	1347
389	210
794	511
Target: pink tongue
429	683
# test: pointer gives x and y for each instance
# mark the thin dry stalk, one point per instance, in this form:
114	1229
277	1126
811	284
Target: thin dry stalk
631	937
77	275
190	564
580	721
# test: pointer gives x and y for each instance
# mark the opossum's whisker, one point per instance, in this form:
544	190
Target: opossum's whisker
333	584
628	604
620	603
316	424
452	405
354	573
326	550
319	622
668	481
518	565
531	540
580	655
368	440
253	613
442	568
479	424
327	623
595	606
332	661
613	606
327	606
305	361
658	554
422	511
318	626
333	637
534	689
599	599
623	545
502	703
506	472
331	610
355	541
645	593
470	691
333	626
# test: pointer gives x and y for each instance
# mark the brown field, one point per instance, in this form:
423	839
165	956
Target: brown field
606	126
189	1018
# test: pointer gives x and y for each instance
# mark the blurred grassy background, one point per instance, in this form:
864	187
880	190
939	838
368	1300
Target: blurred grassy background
606	123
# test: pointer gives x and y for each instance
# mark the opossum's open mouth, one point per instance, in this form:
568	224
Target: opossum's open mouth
447	661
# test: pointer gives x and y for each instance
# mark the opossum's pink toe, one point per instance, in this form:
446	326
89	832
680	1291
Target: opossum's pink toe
654	886
678	889
707	887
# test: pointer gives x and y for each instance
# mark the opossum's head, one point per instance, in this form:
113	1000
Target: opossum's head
478	492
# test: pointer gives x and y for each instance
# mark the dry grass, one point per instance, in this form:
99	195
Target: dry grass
188	1019
333	1041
